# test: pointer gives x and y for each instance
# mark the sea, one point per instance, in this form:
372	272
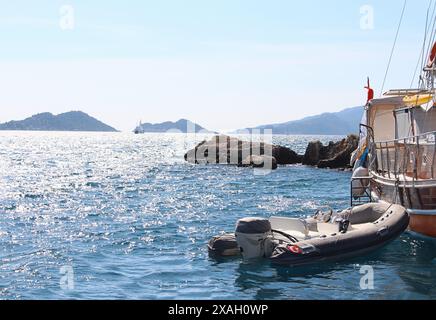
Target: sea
123	216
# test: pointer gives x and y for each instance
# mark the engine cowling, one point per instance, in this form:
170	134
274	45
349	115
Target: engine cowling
253	236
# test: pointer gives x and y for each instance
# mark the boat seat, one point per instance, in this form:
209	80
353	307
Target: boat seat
290	226
327	228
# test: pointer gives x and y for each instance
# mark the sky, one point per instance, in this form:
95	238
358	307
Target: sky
225	64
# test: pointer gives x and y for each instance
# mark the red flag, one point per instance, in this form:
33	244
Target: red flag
370	92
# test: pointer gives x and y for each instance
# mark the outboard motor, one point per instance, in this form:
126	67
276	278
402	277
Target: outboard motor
254	238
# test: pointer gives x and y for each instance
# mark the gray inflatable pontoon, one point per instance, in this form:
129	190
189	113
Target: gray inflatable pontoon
324	237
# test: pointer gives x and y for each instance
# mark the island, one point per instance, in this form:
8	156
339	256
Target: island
337	123
69	121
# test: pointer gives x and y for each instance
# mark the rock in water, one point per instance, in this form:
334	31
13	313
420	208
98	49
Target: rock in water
313	153
228	150
285	155
265	162
339	154
335	155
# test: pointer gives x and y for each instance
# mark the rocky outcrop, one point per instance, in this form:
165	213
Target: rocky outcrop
228	150
335	155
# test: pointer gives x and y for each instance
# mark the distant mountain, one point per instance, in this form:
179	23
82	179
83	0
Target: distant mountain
69	121
339	123
182	125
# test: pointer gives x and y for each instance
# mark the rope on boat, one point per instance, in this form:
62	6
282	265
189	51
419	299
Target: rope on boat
393	47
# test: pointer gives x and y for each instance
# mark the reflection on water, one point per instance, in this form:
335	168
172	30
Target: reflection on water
133	220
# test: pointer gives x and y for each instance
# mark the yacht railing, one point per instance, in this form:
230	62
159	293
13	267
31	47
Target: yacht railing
358	198
407	158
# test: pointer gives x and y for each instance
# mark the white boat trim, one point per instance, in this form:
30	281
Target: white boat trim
403	182
421	212
415	211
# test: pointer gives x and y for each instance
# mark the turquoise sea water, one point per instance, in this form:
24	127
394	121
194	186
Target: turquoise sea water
129	219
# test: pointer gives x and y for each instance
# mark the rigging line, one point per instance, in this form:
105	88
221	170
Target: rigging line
427	118
430	44
432	35
416	69
422	54
431	29
432	38
428	30
393	47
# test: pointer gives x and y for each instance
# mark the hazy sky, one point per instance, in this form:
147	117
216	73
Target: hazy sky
225	64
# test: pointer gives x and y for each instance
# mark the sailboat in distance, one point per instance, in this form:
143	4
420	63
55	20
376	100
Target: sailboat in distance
139	129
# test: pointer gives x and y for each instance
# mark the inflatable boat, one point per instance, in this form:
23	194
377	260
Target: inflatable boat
324	237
